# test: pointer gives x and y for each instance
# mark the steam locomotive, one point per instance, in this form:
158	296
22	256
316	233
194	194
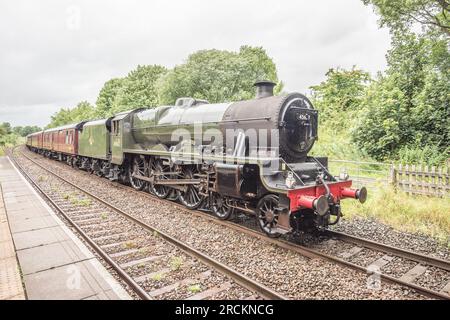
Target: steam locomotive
249	157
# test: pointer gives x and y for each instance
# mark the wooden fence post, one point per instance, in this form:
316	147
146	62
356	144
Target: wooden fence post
427	178
393	176
447	179
423	180
408	179
433	180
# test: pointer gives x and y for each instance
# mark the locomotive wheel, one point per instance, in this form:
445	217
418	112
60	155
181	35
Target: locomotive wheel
191	198
220	207
104	168
173	195
267	215
76	163
137	168
100	168
158	168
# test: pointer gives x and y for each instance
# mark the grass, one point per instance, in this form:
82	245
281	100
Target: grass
194	288
72	197
417	214
157	276
80	202
143	250
129	245
176	263
337	146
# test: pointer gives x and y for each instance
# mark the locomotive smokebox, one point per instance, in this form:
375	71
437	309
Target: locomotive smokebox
264	88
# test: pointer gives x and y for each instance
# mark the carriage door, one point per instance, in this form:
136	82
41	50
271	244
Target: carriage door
116	142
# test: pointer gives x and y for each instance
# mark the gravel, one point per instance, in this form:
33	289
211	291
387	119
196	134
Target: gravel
398	267
377	231
433	278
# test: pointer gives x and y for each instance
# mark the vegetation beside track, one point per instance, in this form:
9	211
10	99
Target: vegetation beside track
417	214
13	136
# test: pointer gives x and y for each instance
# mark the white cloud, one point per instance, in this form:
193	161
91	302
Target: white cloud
57	53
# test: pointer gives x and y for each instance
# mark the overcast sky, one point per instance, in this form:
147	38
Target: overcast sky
57	53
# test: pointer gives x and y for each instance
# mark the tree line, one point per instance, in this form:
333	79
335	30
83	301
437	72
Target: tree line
9	135
214	75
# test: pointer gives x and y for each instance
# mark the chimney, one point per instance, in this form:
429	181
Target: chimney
264	89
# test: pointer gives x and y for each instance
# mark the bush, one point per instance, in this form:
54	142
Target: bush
430	155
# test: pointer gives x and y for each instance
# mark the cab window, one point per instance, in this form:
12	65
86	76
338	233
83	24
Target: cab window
115	128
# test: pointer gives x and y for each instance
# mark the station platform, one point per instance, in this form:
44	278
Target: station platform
40	258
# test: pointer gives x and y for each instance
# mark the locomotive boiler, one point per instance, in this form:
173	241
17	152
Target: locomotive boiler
247	157
290	120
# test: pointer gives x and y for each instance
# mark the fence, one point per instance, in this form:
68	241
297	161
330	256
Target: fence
421	180
413	179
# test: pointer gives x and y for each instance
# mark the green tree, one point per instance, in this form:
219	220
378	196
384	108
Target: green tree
339	97
6	127
107	96
83	111
218	75
400	15
60	118
137	89
2	130
26	130
408	108
7	136
18	130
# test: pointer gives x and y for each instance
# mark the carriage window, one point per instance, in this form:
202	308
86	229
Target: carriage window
67	137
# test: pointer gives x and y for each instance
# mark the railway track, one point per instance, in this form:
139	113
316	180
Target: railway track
393	251
343	257
129	248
